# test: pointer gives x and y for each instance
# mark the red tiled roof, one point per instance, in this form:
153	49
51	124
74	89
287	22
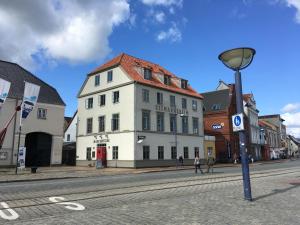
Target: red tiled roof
128	63
247	97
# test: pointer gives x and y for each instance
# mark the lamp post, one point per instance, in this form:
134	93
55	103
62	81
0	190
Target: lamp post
238	59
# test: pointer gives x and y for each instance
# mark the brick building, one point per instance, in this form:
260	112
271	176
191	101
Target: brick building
219	106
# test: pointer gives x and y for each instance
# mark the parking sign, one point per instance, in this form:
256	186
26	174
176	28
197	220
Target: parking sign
238	122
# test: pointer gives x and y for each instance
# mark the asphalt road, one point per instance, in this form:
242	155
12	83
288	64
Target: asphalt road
152	198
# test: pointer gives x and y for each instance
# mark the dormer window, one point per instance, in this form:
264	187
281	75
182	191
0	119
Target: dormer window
184	84
147	74
216	107
167	80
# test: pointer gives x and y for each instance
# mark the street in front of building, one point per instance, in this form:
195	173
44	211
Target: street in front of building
174	197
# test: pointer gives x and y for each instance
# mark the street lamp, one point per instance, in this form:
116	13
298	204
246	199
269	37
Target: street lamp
238	59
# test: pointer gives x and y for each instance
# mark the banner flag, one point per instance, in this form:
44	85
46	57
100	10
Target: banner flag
4	89
21	158
31	93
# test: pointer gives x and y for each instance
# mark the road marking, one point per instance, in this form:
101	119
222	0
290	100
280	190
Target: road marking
69	205
12	214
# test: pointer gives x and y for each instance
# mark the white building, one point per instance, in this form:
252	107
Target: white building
71	130
42	131
140	114
254	129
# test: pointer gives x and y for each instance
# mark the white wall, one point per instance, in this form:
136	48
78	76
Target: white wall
72	129
53	125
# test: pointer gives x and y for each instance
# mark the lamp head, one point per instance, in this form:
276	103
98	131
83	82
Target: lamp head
237	58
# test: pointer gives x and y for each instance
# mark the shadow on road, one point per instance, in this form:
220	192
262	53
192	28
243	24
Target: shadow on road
278	191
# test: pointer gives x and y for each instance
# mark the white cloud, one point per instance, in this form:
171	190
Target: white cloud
292	121
296	5
163	2
291	107
74	31
160	17
173	34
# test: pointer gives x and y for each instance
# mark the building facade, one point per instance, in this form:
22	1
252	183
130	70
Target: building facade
42	130
253	128
139	114
219	106
271	140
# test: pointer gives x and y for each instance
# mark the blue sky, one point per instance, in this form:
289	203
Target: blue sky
184	36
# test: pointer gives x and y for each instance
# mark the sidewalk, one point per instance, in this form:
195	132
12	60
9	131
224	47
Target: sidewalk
64	172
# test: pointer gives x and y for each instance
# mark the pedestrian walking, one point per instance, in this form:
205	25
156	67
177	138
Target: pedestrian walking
210	163
181	161
197	165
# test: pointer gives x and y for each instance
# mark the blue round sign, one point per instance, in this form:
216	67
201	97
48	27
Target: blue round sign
237	121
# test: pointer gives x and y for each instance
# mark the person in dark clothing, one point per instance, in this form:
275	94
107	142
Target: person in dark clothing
181	161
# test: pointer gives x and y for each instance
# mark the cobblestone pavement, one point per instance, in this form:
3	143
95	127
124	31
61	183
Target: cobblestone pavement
201	199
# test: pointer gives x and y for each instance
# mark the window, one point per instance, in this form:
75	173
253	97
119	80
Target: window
146	119
209	151
186	152
41	113
159	98
185	127
160	121
116	96
183	101
101	120
216	107
88	154
147	74
89	125
167	80
160	152
184	84
102	100
172	101
89	103
97	80
109	76
146	152
194	105
173	152
115	122
195	125
68	137
93	154
145	95
115	152
196	151
173	123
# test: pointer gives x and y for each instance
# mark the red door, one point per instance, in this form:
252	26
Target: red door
101	155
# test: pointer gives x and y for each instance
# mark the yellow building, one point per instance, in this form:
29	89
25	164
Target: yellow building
209	146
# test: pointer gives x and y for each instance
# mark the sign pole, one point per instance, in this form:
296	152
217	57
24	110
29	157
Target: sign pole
19	138
242	138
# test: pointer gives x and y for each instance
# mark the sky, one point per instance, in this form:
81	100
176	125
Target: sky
62	41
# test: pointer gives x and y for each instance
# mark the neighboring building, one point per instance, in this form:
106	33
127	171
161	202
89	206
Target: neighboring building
209	146
71	129
277	122
134	113
271	139
42	131
293	146
252	126
219	106
69	147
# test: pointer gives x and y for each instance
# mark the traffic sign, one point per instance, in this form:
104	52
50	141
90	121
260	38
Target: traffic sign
238	122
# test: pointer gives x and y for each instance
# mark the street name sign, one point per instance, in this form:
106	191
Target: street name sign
238	122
